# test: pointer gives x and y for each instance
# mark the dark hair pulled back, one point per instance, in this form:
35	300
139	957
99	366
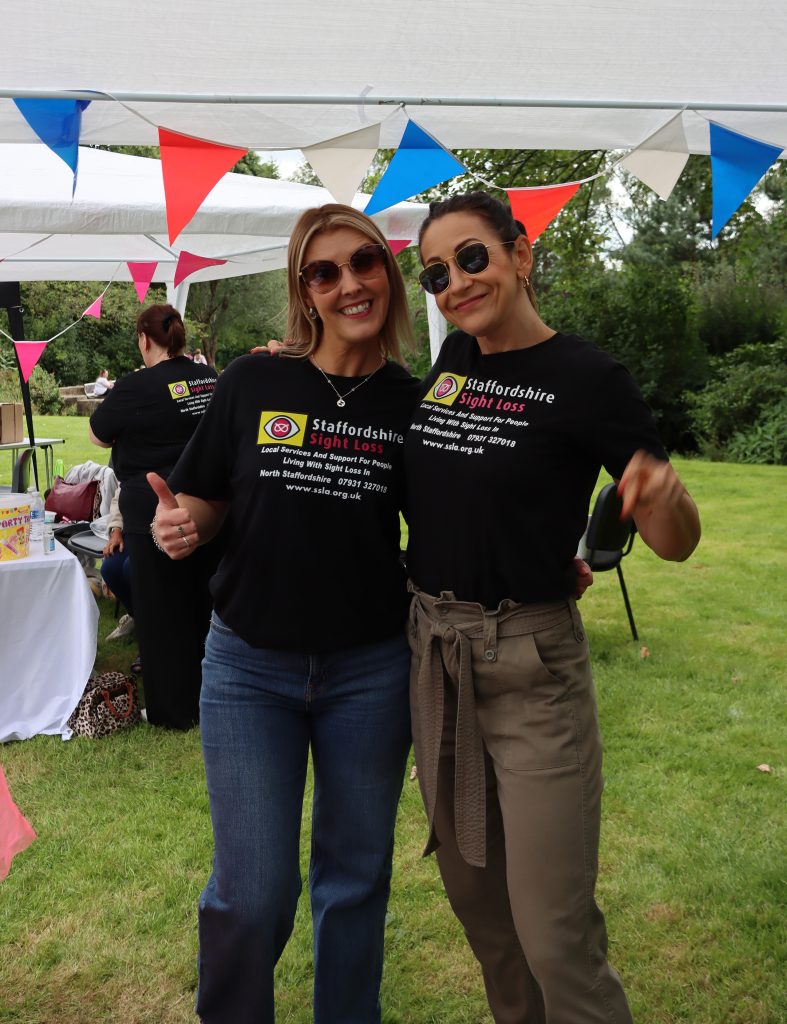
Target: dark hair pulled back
163	324
496	214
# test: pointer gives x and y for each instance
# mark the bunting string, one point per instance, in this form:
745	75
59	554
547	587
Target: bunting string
79	318
192	166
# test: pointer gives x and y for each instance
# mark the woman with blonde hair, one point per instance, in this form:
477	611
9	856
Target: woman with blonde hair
301	456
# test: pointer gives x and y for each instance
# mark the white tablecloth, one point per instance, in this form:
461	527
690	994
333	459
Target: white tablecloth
48	628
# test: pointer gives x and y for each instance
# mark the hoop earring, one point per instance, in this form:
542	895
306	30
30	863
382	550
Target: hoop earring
526	283
313	313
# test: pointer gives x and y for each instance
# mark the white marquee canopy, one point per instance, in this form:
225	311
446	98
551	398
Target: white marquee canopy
494	73
117	214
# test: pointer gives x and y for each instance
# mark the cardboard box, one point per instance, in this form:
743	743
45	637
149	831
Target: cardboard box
11	422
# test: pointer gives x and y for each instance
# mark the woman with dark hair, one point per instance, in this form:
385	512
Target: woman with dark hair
306	650
515	422
147	419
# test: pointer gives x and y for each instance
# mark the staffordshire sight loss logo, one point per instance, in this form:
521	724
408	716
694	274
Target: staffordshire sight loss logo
446	388
282	428
179	389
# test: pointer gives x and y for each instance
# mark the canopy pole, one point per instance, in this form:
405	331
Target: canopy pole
11	298
369	100
178	296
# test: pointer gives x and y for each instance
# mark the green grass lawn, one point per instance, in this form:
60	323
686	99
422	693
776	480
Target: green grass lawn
77	447
98	916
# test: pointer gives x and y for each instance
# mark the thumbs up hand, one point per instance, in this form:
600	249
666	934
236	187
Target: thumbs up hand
173	530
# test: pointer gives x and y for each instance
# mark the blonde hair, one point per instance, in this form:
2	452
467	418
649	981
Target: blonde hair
303	332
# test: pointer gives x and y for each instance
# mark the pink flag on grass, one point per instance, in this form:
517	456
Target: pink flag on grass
16	833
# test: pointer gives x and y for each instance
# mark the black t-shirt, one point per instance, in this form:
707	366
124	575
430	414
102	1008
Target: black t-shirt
148	417
312	560
501	461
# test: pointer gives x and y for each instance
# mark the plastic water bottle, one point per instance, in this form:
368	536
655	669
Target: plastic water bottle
36	515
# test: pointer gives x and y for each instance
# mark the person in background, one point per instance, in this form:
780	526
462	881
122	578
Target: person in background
198	357
306	650
102	384
116	571
505	724
147	419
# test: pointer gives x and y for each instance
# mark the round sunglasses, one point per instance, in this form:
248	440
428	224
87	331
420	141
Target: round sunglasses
323	275
472	259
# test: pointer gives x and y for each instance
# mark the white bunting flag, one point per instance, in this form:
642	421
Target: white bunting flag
342	163
660	159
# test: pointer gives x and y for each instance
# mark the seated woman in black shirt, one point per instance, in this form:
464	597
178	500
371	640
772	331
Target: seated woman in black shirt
306	651
146	419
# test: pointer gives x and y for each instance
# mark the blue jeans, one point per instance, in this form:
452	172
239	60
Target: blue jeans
260	712
116	572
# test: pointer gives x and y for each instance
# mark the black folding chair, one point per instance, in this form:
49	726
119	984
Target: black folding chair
608	540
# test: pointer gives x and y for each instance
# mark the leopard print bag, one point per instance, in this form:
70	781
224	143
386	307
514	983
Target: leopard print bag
110	703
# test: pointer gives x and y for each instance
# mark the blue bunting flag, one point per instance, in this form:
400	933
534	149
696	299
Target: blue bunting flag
57	123
737	164
419	162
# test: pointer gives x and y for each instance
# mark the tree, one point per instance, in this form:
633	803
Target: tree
233	314
91	345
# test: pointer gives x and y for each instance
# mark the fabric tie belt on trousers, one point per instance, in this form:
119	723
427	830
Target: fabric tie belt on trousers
445	628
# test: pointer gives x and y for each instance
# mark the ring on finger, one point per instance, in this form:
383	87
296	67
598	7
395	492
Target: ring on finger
180	531
185	541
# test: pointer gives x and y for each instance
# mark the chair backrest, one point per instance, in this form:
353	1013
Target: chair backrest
20	476
606	531
90	390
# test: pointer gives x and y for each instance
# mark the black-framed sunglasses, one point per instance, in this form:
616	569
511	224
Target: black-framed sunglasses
472	259
323	275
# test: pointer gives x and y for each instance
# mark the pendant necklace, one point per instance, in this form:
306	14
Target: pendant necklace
340	399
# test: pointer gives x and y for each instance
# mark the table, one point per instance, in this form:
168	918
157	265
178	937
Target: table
44	443
48	630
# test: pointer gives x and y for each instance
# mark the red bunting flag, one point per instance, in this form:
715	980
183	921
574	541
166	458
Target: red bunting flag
142	275
189	263
191	167
28	353
94	309
538	207
397	244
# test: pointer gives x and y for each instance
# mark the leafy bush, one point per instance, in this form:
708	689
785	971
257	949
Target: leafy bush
739	414
91	345
765	441
643	316
44	392
735	309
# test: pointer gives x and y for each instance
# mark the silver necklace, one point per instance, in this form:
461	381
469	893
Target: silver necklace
340	399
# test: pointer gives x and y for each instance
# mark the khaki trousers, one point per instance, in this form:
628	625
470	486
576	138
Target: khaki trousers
507	744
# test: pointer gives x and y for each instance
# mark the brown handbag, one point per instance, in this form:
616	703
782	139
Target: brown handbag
110	703
75	502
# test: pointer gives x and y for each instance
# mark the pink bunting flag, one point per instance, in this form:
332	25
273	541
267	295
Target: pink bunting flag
28	353
142	275
94	309
189	263
397	244
16	834
537	207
